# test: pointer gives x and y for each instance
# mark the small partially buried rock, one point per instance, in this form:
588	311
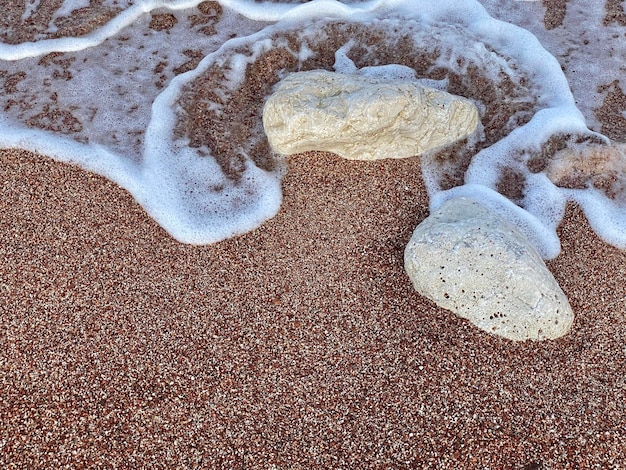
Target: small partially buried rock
584	165
470	260
363	118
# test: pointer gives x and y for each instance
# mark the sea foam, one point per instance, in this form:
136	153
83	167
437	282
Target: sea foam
111	101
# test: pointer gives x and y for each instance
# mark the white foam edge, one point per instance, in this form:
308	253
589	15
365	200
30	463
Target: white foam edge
485	167
559	115
156	186
172	169
90	157
452	11
607	219
160	183
176	196
503	36
264	11
11	52
544	200
469	12
273	12
544	239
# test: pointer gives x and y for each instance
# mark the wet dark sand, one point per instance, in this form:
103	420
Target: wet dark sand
298	345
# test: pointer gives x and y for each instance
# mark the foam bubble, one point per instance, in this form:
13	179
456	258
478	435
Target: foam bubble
112	101
592	53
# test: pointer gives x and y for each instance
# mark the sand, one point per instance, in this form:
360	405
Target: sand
299	345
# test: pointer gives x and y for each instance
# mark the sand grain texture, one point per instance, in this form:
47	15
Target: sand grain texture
299	345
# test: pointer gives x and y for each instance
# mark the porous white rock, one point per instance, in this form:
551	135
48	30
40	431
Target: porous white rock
363	118
468	259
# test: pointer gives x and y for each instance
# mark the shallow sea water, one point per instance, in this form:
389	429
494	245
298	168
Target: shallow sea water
155	99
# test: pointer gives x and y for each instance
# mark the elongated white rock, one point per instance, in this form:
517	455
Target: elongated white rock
363	118
468	259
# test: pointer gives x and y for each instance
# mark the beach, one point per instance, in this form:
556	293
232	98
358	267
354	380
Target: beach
300	344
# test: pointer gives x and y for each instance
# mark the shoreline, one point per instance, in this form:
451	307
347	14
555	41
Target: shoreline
301	343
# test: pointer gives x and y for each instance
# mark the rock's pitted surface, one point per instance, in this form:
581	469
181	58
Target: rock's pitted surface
469	260
363	118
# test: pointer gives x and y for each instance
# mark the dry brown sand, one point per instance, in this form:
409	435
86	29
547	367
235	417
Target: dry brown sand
299	345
